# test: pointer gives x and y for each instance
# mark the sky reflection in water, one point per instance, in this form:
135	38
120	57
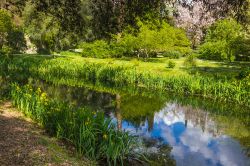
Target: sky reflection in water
194	136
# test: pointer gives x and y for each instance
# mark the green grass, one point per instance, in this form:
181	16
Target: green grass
208	79
59	154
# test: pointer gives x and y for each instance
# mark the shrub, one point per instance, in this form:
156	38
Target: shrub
244	73
214	51
172	54
221	41
5	28
16	40
151	39
190	61
96	49
241	49
171	64
126	44
6	50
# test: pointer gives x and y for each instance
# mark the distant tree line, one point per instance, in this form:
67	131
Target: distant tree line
54	25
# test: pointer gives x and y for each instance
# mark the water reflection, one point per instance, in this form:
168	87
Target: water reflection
193	134
200	132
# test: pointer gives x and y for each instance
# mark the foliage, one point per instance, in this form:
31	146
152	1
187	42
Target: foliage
190	60
171	64
96	49
5	26
221	41
11	36
172	54
126	44
6	50
147	42
244	73
16	40
112	17
45	31
66	13
214	51
241	48
158	39
77	71
90	132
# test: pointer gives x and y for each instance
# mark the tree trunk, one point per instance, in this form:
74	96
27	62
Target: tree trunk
118	112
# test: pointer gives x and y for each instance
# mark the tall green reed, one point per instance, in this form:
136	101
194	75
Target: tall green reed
71	71
93	135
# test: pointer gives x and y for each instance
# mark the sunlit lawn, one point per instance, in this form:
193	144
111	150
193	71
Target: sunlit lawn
159	66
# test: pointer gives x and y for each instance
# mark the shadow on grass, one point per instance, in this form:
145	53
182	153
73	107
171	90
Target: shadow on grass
226	70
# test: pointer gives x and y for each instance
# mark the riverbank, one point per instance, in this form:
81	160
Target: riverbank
22	142
208	79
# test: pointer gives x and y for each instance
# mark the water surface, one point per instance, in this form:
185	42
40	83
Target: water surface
172	130
199	132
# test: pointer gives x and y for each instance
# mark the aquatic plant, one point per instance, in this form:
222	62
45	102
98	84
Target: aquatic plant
93	135
78	71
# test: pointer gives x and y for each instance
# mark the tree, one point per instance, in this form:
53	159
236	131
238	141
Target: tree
5	26
197	15
113	16
154	38
220	40
13	6
222	8
66	12
52	35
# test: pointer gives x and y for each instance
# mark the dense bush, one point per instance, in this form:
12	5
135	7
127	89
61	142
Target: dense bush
46	32
241	48
97	49
5	28
171	64
152	39
225	40
244	73
190	61
172	54
215	51
16	40
147	42
6	50
11	37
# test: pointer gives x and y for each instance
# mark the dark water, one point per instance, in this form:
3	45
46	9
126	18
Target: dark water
180	130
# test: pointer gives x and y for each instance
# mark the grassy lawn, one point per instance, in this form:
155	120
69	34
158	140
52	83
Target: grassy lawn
159	66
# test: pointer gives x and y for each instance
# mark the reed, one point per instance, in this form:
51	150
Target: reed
78	71
93	135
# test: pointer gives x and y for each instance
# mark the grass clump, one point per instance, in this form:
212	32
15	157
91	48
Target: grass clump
93	135
171	64
190	61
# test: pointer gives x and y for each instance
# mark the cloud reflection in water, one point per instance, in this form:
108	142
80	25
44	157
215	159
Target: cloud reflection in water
194	136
